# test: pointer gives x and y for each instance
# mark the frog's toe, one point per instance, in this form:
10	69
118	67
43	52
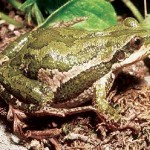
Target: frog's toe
12	112
18	127
17	116
43	134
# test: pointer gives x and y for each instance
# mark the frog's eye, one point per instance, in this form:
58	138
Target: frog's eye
136	42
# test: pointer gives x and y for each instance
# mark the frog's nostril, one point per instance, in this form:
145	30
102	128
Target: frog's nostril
120	56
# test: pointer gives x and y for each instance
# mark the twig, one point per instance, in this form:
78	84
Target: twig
55	143
145	8
75	136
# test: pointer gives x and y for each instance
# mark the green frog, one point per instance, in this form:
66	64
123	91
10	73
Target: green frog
56	71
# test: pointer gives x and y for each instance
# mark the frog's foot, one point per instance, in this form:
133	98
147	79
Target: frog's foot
44	134
59	112
17	117
62	112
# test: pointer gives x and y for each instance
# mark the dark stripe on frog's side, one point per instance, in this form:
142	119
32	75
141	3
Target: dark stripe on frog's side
81	82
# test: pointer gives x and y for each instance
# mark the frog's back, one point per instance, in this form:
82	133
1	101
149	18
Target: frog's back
59	48
64	48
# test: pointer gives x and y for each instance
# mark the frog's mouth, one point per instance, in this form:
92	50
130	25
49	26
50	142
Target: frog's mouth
142	53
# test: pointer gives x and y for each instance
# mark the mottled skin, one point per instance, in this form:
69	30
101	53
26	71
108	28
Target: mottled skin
64	49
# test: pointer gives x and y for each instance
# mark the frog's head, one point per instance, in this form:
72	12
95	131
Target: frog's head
129	43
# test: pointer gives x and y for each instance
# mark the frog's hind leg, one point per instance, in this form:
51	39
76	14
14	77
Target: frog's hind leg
17	116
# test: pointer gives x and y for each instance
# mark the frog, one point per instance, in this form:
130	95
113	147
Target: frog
55	71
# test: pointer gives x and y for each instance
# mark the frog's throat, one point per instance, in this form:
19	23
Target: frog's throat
142	53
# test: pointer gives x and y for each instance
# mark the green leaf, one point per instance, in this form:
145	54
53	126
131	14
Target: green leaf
100	14
48	6
27	4
37	14
32	10
38	10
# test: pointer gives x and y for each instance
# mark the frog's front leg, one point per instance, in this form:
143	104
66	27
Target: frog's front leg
102	87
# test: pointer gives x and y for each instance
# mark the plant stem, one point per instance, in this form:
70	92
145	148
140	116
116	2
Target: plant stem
134	10
15	4
10	20
145	8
